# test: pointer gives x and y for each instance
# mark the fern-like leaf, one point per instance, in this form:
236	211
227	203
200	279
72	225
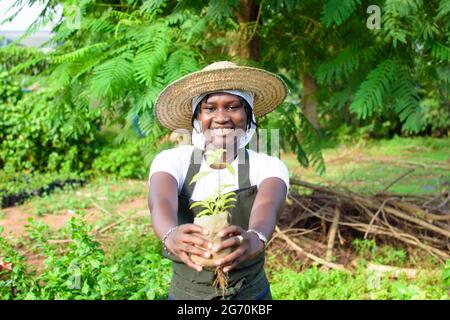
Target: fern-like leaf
297	134
440	51
343	65
398	17
369	97
112	77
443	10
406	102
152	53
338	11
82	53
180	63
219	10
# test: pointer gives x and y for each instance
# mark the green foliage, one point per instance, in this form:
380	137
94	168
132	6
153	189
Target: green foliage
378	75
368	249
220	10
296	135
338	11
123	162
446	274
121	62
26	61
365	248
370	95
313	284
18	279
123	55
10	90
26	184
129	159
215	205
398	14
35	136
82	270
106	192
389	78
436	116
343	65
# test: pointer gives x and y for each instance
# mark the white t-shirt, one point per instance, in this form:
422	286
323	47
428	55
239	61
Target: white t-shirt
176	162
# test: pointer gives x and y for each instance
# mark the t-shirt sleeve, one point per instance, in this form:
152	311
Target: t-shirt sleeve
273	167
169	161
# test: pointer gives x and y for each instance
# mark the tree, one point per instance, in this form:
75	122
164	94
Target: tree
121	56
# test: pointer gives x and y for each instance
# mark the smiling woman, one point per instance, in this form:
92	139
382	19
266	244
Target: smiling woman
219	104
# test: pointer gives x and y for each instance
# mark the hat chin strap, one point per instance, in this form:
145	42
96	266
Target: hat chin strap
199	140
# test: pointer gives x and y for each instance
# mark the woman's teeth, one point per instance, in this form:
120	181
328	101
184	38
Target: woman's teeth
223	131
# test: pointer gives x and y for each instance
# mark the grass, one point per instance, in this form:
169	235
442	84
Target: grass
370	167
105	192
314	284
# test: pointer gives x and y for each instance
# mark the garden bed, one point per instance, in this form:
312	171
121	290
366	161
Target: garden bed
17	188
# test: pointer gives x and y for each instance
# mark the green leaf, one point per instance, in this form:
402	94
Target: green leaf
229	200
338	11
369	97
205	212
197	204
199	175
230	168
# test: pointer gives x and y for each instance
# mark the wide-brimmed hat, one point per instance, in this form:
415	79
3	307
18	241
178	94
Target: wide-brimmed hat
173	105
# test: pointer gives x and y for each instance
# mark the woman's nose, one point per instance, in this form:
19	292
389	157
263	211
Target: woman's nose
221	116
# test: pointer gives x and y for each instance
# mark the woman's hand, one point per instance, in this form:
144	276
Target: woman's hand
246	244
183	242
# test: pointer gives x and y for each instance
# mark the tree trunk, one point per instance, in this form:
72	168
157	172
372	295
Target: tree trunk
309	98
246	43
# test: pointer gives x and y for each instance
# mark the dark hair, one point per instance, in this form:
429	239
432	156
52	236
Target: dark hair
247	108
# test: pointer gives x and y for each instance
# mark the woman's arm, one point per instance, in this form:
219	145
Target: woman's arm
163	204
268	205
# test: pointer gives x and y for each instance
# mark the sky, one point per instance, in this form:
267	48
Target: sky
23	20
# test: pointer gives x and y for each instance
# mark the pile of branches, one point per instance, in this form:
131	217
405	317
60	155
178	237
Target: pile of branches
311	223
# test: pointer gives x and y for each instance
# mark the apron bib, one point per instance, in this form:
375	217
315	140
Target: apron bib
248	280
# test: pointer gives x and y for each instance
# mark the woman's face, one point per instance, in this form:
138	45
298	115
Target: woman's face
223	119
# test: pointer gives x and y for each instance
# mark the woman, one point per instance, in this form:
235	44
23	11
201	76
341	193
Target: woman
219	105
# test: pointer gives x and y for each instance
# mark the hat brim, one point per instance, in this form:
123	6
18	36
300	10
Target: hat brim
174	104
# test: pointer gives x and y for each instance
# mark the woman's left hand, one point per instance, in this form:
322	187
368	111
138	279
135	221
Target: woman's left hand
246	244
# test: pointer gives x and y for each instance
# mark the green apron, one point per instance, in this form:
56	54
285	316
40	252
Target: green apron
248	280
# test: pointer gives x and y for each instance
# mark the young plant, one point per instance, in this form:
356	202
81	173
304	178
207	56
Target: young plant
215	204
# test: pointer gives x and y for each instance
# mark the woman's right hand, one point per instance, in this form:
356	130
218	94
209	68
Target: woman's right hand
184	241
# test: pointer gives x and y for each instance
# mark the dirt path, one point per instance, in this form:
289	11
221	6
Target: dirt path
16	218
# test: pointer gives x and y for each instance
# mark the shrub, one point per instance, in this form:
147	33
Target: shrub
35	136
130	159
82	270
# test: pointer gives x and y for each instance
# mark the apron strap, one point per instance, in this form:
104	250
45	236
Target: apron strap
194	168
244	169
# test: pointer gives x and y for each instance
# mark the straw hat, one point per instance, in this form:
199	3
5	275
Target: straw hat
174	104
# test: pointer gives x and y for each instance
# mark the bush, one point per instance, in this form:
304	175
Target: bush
134	269
314	284
15	188
130	159
436	117
35	135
